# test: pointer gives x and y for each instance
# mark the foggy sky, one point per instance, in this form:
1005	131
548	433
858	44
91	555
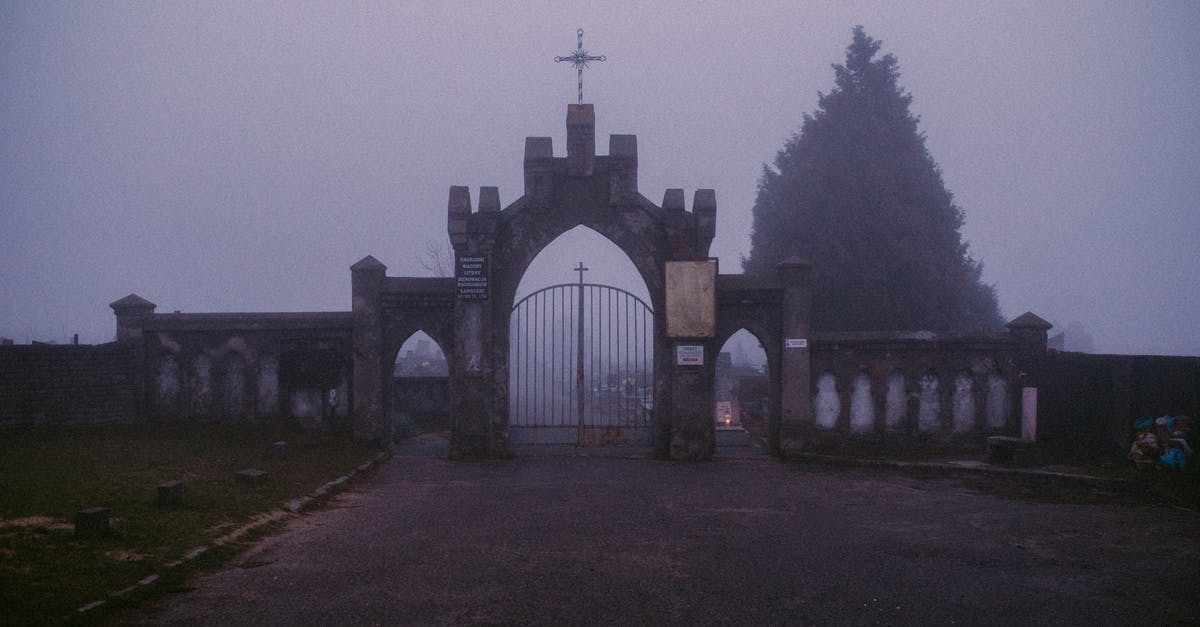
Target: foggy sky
241	156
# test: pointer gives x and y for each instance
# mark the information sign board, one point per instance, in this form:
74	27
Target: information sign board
472	276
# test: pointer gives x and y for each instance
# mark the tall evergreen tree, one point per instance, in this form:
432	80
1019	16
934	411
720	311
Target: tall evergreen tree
857	193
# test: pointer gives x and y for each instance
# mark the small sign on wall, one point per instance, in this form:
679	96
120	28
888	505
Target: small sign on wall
472	275
795	342
689	355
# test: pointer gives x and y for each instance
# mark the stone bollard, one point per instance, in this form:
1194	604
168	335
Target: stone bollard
280	449
252	476
170	494
91	523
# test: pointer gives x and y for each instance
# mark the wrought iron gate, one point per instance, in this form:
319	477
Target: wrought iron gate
581	366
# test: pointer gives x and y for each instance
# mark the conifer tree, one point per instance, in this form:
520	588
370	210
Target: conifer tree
857	193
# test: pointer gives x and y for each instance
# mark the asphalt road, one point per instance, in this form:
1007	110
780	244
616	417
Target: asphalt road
559	540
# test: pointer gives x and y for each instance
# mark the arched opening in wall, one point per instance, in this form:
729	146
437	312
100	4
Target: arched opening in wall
233	388
420	387
828	404
268	386
166	397
581	347
997	401
896	416
314	387
742	392
929	413
862	404
964	402
200	387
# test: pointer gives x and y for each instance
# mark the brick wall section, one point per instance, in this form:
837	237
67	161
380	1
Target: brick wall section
1089	402
46	384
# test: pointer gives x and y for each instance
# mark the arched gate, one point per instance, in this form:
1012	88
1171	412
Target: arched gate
581	367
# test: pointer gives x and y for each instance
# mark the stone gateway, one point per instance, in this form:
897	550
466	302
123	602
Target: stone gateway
334	370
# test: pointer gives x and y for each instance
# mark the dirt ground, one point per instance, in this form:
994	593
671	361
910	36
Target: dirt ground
603	539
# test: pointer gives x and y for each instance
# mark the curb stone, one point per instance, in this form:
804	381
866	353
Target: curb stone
293	506
967	467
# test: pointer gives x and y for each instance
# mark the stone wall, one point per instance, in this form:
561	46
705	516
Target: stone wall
247	367
46	384
1089	402
941	386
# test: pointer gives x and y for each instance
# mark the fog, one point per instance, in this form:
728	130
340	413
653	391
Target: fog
241	156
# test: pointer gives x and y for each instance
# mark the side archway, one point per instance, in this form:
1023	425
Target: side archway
419	388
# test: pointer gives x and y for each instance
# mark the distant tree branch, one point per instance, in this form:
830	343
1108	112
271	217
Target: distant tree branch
438	259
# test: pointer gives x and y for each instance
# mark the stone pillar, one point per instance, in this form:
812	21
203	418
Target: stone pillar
693	427
795	411
472	373
1030	332
581	140
371	422
132	312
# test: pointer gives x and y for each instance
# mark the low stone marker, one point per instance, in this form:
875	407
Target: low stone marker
1003	449
251	476
91	523
280	449
170	494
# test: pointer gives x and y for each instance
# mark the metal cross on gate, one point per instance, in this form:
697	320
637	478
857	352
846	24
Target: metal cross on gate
579	340
579	59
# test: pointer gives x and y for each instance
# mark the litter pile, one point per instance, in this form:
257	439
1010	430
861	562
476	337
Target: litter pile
1162	441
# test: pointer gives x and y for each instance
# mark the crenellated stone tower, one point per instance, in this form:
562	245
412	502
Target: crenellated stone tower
600	192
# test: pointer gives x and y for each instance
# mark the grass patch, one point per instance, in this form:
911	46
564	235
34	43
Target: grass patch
47	475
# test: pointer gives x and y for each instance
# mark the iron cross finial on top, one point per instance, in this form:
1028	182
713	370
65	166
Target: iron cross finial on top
579	59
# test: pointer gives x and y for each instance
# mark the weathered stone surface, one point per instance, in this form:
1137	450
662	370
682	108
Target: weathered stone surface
1003	449
91	523
251	476
370	405
169	494
581	140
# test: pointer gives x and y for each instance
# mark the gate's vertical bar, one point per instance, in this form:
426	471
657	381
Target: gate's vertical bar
579	356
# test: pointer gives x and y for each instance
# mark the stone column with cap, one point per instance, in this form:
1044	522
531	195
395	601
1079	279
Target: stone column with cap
795	402
1030	331
371	422
473	377
132	313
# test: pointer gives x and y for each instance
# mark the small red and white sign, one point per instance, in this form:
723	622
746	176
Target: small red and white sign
689	355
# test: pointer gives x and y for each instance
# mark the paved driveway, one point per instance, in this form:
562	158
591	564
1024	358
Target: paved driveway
576	540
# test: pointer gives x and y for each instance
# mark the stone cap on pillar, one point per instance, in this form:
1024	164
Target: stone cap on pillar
1030	330
132	305
131	312
489	199
1029	321
673	201
794	272
368	264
